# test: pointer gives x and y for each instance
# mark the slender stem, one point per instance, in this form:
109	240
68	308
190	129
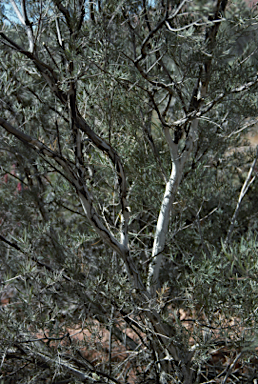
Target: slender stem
244	189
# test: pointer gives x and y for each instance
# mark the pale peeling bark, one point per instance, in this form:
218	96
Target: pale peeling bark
178	162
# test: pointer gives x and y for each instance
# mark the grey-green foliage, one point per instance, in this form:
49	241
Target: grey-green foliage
56	269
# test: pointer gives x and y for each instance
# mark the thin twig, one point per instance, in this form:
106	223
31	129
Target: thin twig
204	246
244	189
110	341
231	367
51	56
58	139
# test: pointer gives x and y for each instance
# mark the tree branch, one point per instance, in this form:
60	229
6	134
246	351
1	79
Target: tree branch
244	189
25	21
85	197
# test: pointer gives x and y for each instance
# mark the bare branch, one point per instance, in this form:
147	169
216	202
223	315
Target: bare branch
46	71
51	56
66	14
206	108
60	40
114	157
155	30
147	131
40	147
17	11
85	196
25	21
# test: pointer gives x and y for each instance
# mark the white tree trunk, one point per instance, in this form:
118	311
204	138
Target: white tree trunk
172	185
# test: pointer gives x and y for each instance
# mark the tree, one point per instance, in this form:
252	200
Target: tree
113	113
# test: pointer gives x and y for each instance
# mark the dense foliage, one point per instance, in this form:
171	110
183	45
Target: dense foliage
128	199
